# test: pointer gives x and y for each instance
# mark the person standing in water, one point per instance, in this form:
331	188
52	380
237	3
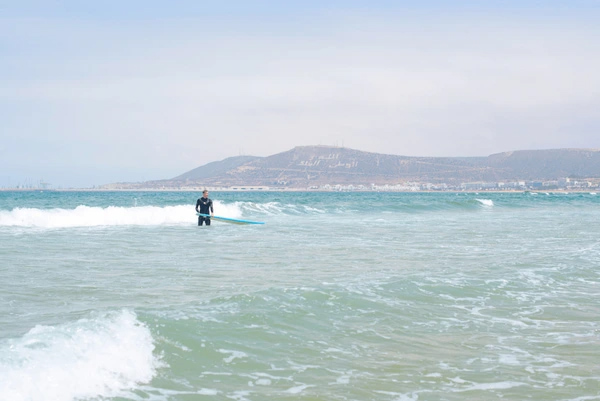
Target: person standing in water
205	206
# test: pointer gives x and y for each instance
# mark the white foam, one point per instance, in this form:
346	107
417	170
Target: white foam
266	207
508	359
232	355
103	356
486	202
401	396
231	210
493	386
87	216
275	208
298	389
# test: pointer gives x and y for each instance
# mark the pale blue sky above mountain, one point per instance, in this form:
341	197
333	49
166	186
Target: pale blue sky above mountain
98	92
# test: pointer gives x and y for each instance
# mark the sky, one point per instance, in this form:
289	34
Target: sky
125	91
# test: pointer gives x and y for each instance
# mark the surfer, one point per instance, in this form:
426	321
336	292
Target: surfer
204	205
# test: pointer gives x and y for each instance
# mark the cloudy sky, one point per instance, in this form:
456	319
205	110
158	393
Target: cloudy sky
104	91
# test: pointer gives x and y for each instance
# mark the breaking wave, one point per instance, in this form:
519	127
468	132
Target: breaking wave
87	216
101	356
486	202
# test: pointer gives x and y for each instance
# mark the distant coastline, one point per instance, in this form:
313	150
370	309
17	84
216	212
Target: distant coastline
323	168
339	169
474	191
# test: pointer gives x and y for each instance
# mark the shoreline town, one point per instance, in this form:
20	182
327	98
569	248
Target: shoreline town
561	186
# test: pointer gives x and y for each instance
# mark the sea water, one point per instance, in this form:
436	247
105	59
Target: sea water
339	296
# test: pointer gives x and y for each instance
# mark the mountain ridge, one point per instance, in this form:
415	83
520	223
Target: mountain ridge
309	166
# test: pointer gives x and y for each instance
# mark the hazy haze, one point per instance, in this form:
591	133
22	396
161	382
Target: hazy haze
148	90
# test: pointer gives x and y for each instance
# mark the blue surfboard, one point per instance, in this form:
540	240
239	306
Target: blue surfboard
230	220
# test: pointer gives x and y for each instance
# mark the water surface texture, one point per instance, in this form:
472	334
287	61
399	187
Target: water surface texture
339	296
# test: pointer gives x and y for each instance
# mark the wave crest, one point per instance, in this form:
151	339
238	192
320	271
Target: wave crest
87	216
96	357
486	202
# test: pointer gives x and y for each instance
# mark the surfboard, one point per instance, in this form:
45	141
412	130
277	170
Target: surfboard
230	220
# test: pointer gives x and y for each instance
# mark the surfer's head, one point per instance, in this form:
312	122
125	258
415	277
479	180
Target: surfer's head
205	193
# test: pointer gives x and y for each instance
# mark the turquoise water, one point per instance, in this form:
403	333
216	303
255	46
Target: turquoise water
339	296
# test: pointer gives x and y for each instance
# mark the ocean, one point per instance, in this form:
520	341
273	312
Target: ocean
338	296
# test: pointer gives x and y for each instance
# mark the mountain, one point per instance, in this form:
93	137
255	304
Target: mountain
306	166
547	164
215	169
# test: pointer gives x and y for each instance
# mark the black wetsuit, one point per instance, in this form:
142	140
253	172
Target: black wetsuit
204	206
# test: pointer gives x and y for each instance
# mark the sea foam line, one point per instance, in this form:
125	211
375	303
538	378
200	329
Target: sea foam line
91	216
